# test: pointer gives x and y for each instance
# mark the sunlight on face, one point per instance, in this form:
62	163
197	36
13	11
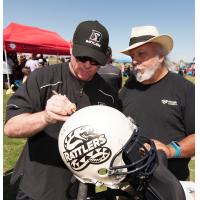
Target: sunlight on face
147	72
83	70
146	62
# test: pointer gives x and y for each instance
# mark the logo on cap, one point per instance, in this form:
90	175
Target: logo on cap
95	38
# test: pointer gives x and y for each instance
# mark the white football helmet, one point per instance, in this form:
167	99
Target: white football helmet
92	141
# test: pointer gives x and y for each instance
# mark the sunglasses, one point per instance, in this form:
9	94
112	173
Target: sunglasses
85	59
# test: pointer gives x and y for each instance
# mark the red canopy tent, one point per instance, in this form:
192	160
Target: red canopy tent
27	39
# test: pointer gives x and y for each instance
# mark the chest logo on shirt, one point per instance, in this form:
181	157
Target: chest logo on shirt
83	147
169	102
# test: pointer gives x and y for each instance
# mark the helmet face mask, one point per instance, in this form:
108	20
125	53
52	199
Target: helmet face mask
93	143
139	155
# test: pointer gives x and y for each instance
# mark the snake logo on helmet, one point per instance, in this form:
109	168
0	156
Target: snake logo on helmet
99	145
83	147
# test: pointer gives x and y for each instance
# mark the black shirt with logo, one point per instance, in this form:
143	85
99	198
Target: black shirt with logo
164	110
40	167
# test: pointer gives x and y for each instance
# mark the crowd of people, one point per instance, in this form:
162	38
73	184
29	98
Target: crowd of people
160	102
19	66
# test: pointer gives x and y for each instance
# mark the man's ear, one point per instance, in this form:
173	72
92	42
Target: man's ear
161	58
71	47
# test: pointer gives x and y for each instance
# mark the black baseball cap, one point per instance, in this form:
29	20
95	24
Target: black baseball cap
91	40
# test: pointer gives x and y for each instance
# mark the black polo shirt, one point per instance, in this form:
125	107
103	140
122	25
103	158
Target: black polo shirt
42	171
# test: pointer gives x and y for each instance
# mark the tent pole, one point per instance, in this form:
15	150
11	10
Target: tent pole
56	58
8	78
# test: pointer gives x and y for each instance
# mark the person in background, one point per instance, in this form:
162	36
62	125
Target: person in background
45	101
62	59
8	71
161	102
41	58
40	62
111	74
18	74
122	67
127	71
22	61
32	63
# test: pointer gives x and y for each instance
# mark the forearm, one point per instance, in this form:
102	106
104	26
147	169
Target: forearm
58	108
187	146
25	125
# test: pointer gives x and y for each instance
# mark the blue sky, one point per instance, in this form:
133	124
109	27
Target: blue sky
173	17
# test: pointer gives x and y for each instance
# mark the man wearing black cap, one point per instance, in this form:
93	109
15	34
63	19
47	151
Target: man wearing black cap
40	106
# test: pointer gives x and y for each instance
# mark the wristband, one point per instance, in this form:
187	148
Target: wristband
176	147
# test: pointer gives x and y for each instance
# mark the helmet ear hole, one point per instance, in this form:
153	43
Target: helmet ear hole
103	172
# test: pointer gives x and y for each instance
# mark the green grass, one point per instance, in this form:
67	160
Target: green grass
190	78
11	151
11	147
192	169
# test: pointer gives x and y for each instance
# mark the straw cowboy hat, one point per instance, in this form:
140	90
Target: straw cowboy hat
145	34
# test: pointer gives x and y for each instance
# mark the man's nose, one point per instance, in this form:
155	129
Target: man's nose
134	62
87	65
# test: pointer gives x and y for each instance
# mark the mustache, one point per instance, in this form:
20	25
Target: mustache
136	70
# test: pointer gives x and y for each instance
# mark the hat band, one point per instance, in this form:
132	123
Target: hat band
143	38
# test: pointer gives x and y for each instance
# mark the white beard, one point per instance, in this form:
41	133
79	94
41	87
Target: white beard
147	74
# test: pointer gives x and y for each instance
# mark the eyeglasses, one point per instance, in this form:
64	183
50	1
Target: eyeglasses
85	59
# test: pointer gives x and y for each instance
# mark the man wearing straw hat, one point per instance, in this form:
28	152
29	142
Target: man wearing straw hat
161	102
